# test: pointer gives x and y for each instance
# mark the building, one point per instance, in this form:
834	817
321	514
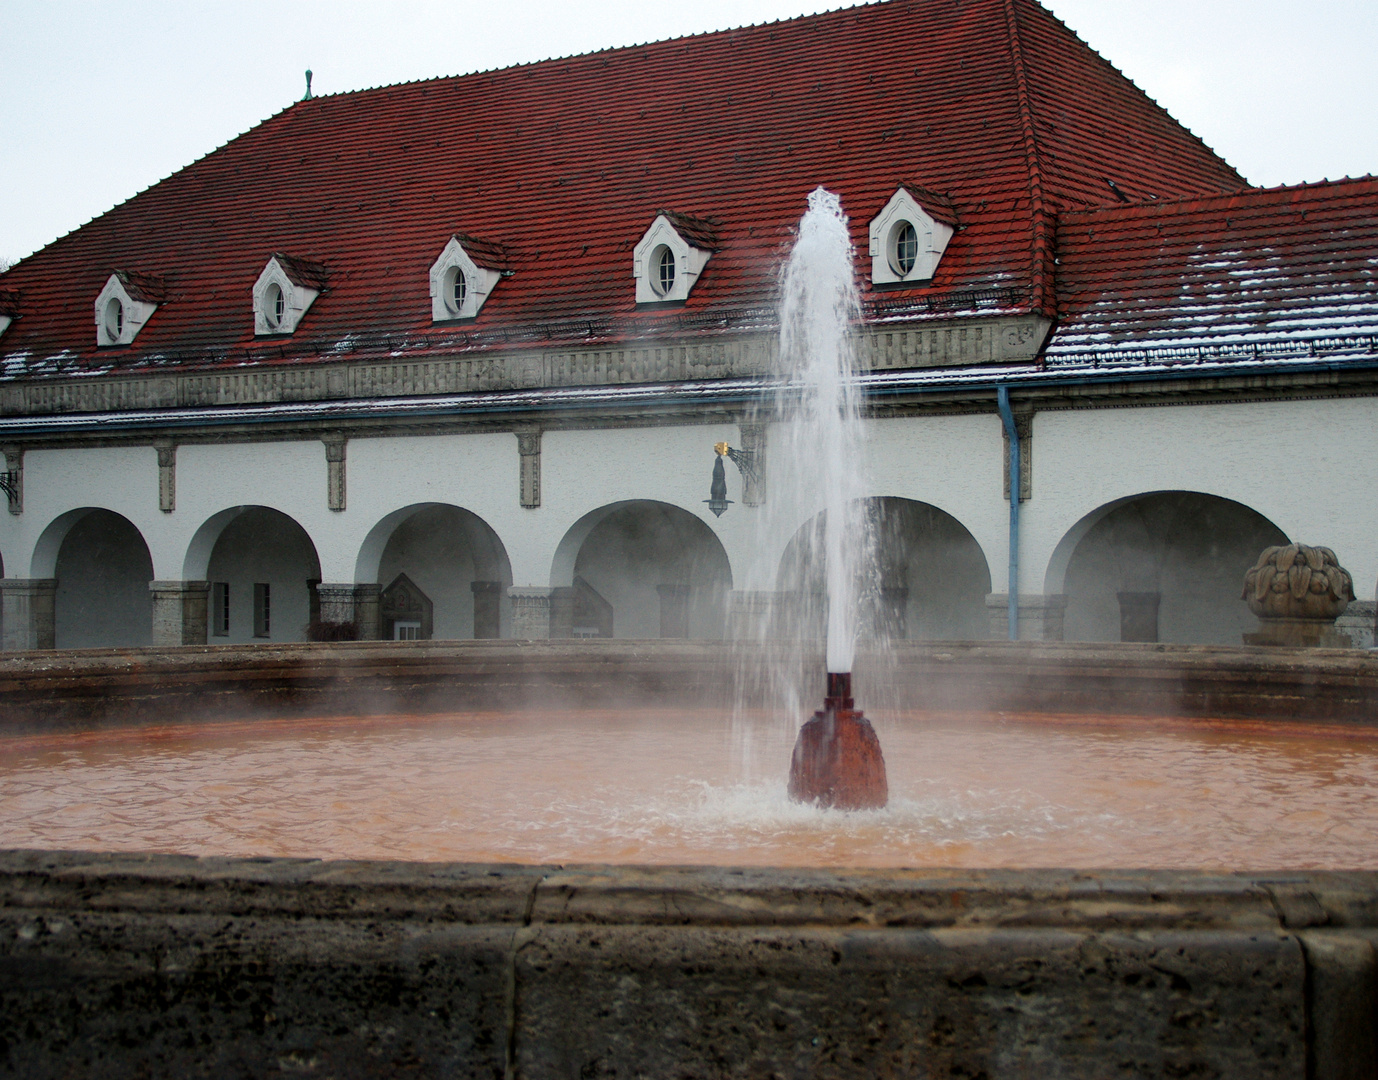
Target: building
449	358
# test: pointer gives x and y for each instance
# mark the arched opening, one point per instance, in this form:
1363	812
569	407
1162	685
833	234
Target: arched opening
263	569
924	576
443	573
1166	566
642	569
102	568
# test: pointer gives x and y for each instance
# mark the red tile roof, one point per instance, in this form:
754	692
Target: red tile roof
993	105
1260	272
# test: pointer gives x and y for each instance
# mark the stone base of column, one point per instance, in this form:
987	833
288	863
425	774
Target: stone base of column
179	612
1040	617
750	615
530	613
1357	623
346	604
26	613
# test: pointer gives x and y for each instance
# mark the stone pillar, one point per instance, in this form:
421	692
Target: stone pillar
1023	425
14	465
753	442
335	471
1139	615
530	613
167	493
179	612
1040	617
26	612
1357	623
487	608
529	447
674	610
350	602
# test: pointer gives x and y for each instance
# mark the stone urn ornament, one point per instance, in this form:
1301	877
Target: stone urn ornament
1298	592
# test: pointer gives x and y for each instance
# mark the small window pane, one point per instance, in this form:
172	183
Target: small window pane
906	248
665	271
459	289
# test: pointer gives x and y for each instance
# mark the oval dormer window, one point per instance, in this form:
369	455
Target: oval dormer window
114	321
904	248
456	290
275	305
664	263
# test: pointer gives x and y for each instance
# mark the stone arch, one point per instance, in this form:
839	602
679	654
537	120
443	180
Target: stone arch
660	568
102	566
1160	566
451	556
927	576
263	567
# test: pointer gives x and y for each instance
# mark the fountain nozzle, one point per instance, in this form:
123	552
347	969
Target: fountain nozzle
837	761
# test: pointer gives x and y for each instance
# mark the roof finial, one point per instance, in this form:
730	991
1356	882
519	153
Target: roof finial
308	85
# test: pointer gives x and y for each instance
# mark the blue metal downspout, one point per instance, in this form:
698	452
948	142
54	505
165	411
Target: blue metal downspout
1002	399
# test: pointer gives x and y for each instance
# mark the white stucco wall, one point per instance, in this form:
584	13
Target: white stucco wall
1310	467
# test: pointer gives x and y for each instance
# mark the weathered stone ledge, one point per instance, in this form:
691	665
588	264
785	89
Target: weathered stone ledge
127	965
62	689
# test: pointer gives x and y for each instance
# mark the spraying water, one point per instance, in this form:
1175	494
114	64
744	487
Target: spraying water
823	436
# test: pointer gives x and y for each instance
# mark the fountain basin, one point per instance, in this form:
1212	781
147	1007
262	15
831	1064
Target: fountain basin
130	964
122	965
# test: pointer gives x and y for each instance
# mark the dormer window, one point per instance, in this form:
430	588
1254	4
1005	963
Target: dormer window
124	305
284	292
671	256
464	276
908	237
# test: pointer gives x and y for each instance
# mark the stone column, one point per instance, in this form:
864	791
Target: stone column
487	608
1023	425
753	442
179	612
529	447
1139	615
530	613
14	465
1040	617
26	612
167	490
350	602
335	471
674	610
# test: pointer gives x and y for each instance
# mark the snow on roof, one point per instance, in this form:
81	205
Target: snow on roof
993	108
1258	273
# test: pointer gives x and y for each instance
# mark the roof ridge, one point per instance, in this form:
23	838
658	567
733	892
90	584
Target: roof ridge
1042	291
1148	207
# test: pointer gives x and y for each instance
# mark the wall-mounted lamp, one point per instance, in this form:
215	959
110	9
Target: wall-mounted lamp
745	460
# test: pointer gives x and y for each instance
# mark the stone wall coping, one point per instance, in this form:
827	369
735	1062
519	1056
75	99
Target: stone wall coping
735	897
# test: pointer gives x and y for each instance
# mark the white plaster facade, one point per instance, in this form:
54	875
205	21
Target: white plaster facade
1305	466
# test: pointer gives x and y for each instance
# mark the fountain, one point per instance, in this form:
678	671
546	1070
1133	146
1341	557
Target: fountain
503	770
837	761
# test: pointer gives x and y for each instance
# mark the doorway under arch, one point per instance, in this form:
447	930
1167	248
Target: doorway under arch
643	569
103	568
924	577
1164	566
453	564
262	568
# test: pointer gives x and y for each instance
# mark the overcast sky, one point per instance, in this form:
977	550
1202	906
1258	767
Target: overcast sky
100	100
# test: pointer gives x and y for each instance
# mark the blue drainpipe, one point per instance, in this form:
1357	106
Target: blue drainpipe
1002	398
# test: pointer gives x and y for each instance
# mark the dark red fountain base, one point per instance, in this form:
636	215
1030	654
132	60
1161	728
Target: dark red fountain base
837	761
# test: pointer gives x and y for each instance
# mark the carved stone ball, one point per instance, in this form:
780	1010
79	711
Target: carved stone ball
1298	582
